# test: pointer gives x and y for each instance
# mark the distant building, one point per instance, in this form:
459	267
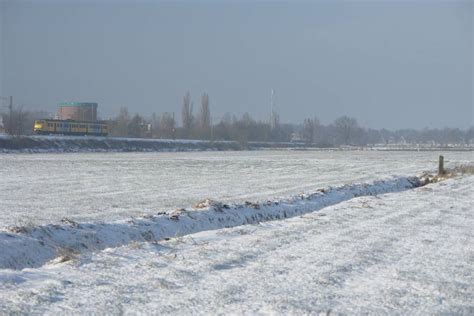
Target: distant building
78	111
296	138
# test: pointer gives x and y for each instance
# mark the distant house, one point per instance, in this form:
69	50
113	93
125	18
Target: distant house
296	138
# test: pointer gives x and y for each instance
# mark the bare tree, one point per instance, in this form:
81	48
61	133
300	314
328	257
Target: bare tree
187	115
470	135
137	126
308	131
205	112
346	128
167	125
121	123
21	122
155	125
274	120
317	132
204	118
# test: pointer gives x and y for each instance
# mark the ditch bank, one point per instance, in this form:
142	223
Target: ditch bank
27	247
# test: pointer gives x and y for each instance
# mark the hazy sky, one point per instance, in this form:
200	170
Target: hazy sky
389	64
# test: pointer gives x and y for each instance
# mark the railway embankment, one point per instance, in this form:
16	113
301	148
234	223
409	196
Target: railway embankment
72	144
44	144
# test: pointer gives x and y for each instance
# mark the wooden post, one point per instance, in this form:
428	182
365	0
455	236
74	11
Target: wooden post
441	170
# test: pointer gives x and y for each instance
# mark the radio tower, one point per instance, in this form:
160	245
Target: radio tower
272	110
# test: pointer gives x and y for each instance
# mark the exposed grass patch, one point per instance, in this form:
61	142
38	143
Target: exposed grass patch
448	173
22	226
463	169
65	254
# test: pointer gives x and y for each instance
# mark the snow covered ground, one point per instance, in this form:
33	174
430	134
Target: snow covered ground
33	246
43	188
408	252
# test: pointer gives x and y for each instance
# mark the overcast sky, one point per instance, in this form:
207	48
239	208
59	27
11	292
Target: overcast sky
388	64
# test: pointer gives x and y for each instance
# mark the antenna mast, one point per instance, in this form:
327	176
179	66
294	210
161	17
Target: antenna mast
272	110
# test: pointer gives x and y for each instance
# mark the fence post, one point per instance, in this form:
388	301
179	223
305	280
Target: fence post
441	170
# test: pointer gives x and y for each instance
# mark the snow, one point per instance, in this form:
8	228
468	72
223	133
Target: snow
32	246
408	252
91	187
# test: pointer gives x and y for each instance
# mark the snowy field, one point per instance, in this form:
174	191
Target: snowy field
408	252
43	188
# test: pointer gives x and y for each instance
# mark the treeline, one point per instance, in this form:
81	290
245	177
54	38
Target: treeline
200	124
343	131
346	131
21	121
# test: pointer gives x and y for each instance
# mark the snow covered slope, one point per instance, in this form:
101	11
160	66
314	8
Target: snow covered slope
32	246
400	253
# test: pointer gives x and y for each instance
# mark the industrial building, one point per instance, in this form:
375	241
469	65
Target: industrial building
78	111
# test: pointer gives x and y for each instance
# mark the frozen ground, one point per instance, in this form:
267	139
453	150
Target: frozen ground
33	246
400	253
43	188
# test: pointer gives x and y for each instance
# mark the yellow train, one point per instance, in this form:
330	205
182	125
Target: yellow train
69	127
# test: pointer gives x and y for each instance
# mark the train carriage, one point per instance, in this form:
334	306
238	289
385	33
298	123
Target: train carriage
70	127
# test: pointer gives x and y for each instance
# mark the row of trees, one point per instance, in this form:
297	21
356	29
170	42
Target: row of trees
21	121
164	125
346	131
201	125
